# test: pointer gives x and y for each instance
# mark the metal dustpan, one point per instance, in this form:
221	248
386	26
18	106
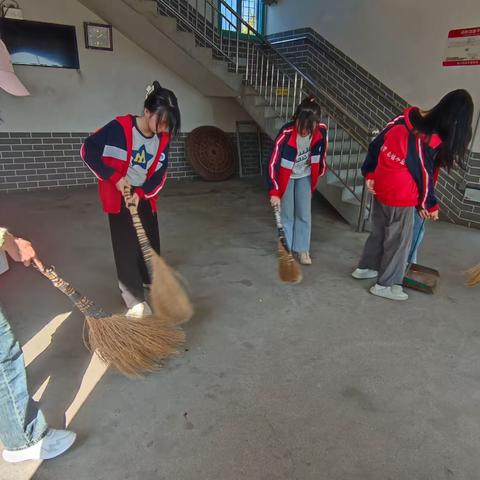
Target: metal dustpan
423	279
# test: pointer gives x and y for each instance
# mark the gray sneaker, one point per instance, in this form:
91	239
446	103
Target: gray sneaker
394	292
364	273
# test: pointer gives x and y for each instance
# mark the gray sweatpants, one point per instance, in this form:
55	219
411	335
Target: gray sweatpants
388	246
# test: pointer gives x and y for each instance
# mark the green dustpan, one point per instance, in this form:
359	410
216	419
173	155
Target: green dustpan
423	279
419	277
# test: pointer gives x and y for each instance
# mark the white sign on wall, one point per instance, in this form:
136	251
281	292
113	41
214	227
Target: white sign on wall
463	47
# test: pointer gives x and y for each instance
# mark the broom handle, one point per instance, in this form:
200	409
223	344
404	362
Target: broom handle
145	246
417	240
84	304
280	229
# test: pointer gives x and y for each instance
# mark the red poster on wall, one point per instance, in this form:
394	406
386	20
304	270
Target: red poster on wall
463	47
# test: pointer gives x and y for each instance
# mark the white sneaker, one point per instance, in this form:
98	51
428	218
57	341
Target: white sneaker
139	310
394	292
304	258
53	444
364	273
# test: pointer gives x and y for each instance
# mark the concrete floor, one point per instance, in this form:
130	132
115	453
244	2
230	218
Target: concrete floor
315	381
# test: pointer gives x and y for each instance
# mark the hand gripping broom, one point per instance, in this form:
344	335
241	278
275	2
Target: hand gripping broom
132	346
168	298
288	269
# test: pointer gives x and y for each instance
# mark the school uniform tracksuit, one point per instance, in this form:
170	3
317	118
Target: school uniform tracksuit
293	174
116	151
402	164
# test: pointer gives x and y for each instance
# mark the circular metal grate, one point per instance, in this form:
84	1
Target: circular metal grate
211	153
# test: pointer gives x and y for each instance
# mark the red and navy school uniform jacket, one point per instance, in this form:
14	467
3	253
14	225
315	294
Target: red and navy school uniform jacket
285	154
108	152
403	165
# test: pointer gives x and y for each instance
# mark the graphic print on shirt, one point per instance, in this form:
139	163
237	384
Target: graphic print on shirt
301	167
144	150
141	157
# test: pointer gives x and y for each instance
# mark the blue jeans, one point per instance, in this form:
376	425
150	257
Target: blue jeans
297	214
22	424
417	237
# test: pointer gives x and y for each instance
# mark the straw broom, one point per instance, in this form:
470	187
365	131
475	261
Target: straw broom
168	298
289	270
474	276
131	346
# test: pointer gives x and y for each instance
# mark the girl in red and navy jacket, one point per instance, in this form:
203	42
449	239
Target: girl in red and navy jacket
401	170
297	161
132	151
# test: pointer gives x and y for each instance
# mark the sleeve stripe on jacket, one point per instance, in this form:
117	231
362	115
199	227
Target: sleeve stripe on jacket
425	176
82	154
159	187
275	155
393	121
324	156
115	152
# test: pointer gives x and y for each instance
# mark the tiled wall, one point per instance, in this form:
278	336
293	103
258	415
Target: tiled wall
31	161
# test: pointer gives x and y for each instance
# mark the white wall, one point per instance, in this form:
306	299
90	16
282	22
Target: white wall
400	42
108	84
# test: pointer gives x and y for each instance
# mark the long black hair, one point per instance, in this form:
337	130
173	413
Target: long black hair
451	120
307	115
164	104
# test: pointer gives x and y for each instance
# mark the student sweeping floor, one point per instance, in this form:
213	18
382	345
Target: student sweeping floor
132	152
297	162
400	171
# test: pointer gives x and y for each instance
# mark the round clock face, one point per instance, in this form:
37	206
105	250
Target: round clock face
99	37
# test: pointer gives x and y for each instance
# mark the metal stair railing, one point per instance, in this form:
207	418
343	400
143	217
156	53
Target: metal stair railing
280	83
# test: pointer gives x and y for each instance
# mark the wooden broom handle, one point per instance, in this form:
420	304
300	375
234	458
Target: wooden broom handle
281	231
145	246
84	304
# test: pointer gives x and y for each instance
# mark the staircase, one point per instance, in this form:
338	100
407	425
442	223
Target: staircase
236	61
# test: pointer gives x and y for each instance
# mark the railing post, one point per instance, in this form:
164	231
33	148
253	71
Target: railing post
238	48
365	196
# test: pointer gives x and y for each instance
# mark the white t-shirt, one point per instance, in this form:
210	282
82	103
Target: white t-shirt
144	151
301	167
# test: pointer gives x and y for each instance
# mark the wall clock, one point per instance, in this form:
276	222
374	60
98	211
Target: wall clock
98	36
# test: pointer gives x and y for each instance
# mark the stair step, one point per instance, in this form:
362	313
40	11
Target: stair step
349	197
203	54
186	40
348	209
344	177
143	6
167	25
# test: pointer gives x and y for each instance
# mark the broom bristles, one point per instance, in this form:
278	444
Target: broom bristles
133	345
289	270
168	297
474	276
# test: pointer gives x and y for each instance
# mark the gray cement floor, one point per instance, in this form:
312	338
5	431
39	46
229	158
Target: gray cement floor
315	381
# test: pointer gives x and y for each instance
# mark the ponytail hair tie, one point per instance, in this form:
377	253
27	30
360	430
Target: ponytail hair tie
150	89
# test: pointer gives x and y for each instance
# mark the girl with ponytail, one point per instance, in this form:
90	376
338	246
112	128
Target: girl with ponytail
132	152
298	160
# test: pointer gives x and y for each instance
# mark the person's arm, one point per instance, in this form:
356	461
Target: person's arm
425	174
273	166
18	249
371	160
155	183
96	147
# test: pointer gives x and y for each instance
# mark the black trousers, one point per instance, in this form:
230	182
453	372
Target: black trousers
131	269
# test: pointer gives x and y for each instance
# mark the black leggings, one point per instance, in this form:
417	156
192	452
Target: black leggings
131	269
